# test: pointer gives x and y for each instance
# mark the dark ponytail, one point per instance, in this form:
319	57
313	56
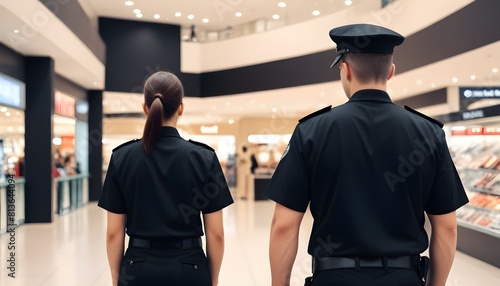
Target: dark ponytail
163	94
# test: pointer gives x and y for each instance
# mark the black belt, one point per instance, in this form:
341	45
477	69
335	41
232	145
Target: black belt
332	263
187	243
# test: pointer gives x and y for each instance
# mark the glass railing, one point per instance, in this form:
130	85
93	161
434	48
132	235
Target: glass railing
70	193
11	204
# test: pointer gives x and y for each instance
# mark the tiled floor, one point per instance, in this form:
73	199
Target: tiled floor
71	251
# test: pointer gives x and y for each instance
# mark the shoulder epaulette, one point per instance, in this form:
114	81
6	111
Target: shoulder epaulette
318	112
435	121
202	145
126	143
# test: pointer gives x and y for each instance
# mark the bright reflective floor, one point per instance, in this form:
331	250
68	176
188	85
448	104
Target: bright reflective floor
71	251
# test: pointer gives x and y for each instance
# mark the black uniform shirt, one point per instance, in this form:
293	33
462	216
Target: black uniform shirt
369	170
163	194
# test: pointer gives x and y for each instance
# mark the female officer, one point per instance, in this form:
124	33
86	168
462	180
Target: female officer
155	189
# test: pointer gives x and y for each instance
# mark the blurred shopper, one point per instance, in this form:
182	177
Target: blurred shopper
244	171
370	170
156	189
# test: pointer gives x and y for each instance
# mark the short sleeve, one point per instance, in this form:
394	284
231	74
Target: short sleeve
215	191
447	193
111	197
289	185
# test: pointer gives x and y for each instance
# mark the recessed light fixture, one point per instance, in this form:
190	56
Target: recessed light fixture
10	128
230	121
129	3
137	11
138	15
454	79
495	70
178	14
7	114
433	85
473	77
276	17
274	109
156	16
315	12
3	109
205	20
348	2
16	31
238	14
190	16
282	4
419	81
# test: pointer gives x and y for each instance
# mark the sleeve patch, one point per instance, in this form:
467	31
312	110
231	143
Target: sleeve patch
435	121
318	112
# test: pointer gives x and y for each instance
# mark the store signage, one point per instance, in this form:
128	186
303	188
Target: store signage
11	92
474	92
64	104
213	129
467	115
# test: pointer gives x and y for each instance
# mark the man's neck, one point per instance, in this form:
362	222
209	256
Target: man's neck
357	87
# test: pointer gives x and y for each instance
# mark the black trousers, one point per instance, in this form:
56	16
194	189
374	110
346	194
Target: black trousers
367	277
175	267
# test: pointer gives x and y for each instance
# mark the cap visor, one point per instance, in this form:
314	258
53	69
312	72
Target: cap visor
336	60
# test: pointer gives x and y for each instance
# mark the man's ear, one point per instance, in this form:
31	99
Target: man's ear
145	109
346	69
393	71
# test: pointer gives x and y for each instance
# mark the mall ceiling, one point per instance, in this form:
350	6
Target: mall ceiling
73	60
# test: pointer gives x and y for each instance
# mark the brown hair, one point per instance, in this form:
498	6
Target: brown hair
369	67
163	94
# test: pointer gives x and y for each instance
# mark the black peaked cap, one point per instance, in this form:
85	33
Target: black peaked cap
364	38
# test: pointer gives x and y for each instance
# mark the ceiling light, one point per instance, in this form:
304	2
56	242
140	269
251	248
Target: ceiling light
495	70
454	79
10	128
238	14
205	20
7	114
16	31
137	11
230	121
419	81
190	16
348	2
276	17
129	3
274	109
178	14
315	12
433	85
282	4
473	77
138	15
3	109
94	83
157	16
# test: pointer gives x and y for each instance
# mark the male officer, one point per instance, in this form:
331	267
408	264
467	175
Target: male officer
369	170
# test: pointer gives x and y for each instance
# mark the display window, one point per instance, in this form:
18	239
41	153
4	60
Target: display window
476	152
12	137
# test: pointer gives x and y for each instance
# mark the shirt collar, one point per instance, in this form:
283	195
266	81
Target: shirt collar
371	95
169	131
